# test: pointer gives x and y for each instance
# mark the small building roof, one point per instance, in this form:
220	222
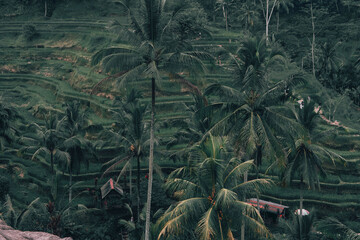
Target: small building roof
109	186
270	206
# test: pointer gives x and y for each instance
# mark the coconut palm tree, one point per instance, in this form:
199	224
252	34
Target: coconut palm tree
299	228
307	155
73	127
248	13
209	196
252	101
285	5
225	6
329	63
152	51
130	132
45	140
337	229
8	116
201	118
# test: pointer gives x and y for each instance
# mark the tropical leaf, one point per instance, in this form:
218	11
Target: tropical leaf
8	211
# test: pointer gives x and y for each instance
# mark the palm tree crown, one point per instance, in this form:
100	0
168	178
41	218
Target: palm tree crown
209	196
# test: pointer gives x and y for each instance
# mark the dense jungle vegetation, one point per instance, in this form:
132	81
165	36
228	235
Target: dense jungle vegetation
159	119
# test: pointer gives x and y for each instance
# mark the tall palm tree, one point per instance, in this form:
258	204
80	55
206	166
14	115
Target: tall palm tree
8	116
152	51
299	228
225	6
201	118
45	140
307	154
284	4
209	196
248	13
73	127
252	101
329	63
131	133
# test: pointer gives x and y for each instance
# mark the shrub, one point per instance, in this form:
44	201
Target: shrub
29	32
4	187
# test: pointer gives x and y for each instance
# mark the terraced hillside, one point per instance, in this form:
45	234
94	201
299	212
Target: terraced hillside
46	62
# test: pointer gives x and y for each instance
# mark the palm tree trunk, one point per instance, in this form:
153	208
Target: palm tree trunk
243	222
52	162
267	22
258	156
70	186
151	161
130	181
138	188
301	206
45	11
313	40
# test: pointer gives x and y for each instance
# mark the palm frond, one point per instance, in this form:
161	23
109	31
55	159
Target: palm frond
117	161
255	184
35	210
225	198
98	57
185	187
239	170
8	211
206	228
39	151
172	226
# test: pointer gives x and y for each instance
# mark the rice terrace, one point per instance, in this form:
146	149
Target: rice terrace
179	120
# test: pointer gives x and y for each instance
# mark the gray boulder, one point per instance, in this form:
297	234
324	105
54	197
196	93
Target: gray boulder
8	233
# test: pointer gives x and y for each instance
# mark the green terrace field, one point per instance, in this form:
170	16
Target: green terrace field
53	67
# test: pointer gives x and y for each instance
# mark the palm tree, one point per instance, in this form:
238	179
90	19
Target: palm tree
299	228
285	4
330	63
337	229
130	132
152	51
225	6
73	127
8	116
209	194
256	65
307	155
33	218
201	118
45	139
248	13
253	117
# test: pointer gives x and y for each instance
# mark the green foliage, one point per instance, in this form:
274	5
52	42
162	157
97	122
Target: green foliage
4	186
29	32
292	227
335	229
8	211
37	77
209	195
34	217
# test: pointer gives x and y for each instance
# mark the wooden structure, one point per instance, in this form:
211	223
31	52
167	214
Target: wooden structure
281	211
111	194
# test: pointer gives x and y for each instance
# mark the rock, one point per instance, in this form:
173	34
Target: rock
8	233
